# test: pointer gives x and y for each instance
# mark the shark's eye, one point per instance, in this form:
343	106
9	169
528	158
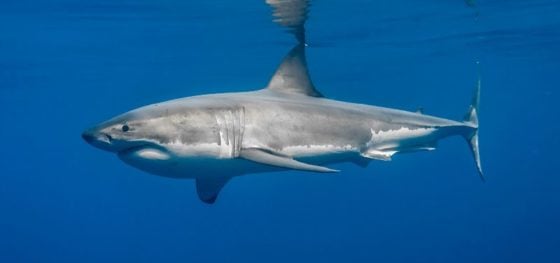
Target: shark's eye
125	128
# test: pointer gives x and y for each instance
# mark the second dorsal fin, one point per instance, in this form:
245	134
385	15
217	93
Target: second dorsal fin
292	76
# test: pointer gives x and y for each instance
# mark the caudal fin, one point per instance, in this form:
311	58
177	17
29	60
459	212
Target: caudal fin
471	118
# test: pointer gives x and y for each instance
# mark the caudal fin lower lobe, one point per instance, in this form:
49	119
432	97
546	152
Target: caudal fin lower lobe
471	118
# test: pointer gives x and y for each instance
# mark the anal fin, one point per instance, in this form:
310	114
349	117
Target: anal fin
424	148
268	158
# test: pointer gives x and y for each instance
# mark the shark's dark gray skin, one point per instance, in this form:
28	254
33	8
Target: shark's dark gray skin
288	125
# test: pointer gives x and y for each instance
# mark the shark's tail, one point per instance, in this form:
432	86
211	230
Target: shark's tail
471	119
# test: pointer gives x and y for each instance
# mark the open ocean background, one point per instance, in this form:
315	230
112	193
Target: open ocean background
68	64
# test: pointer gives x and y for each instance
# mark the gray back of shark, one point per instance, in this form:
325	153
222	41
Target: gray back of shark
288	125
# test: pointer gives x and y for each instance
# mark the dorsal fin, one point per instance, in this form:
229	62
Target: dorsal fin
292	76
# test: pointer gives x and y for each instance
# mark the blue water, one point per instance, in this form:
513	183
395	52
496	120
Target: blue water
68	64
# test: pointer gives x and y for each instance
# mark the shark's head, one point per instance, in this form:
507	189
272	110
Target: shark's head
163	138
119	134
139	137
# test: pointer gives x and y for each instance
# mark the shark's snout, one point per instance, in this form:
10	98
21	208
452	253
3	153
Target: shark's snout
92	137
88	137
98	139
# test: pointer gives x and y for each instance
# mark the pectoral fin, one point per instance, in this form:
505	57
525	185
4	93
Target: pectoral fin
268	158
208	188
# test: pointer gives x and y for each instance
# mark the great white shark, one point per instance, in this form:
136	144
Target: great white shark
289	125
